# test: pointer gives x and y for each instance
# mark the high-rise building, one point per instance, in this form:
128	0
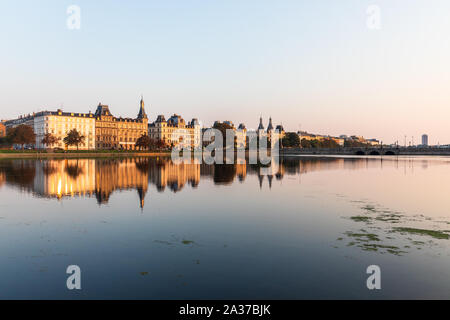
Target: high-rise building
425	140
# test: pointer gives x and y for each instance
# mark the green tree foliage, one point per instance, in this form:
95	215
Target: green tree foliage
73	138
49	140
160	144
145	142
355	144
306	144
290	140
21	135
325	143
223	127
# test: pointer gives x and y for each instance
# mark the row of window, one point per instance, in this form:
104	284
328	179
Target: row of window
114	139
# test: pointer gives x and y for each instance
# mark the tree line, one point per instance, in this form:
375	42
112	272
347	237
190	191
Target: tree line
292	140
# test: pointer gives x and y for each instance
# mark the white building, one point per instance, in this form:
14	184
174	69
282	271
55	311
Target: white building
175	131
59	123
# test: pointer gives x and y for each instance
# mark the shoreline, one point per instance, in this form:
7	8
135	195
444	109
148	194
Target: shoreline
37	155
386	152
283	153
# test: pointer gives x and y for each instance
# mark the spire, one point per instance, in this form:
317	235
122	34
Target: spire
270	127
270	177
261	179
142	114
261	126
141	193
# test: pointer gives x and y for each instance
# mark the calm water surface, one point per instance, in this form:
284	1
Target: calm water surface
147	228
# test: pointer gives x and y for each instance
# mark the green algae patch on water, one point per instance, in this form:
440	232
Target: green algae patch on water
364	237
423	232
389	217
375	247
369	208
361	218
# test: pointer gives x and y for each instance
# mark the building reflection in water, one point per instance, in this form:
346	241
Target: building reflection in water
100	178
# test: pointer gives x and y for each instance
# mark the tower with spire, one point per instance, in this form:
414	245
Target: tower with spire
270	126
142	115
260	127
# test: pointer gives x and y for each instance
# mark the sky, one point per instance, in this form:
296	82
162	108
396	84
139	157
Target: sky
311	65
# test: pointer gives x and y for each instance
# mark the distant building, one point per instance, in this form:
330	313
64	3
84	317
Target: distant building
58	123
280	130
425	140
27	120
340	141
176	132
230	123
2	130
373	142
101	130
119	133
309	136
260	130
241	136
270	130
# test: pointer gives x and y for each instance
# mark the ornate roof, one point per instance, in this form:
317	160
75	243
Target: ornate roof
160	118
102	110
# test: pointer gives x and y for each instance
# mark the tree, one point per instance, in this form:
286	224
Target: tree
73	170
73	138
160	144
21	135
143	141
291	140
223	127
4	141
49	139
355	144
329	143
306	143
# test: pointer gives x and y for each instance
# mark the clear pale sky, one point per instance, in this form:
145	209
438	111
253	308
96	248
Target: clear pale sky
309	63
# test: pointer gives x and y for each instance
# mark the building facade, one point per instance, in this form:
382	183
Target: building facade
60	123
2	130
241	136
176	132
119	133
425	140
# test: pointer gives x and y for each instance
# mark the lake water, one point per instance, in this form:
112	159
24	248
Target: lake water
147	228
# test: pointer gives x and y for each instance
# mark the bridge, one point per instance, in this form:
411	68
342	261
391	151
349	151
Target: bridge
368	151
